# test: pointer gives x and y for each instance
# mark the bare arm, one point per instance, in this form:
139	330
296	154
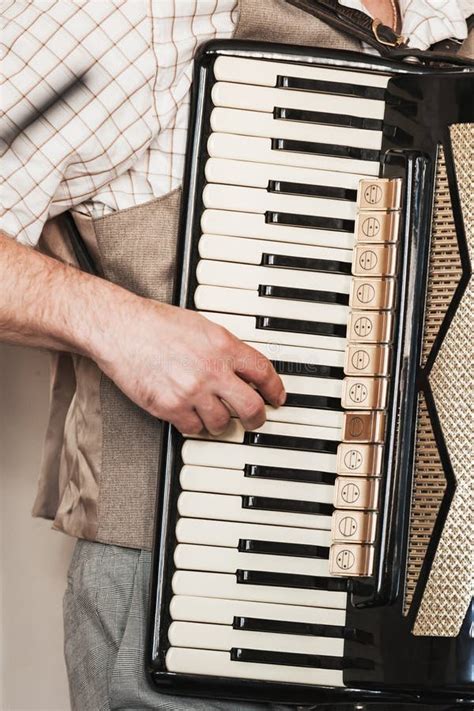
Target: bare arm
174	363
43	302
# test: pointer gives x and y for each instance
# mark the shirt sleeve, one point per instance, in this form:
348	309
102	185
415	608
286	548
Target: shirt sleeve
77	104
426	23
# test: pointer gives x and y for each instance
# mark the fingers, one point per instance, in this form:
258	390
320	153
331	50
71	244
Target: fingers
214	414
187	422
253	367
245	402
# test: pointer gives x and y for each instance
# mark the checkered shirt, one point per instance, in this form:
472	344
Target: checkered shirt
115	76
95	97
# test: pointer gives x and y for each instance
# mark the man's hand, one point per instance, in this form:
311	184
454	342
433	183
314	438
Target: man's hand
181	367
173	363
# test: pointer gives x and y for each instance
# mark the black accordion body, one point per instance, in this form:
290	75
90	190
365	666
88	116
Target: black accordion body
328	221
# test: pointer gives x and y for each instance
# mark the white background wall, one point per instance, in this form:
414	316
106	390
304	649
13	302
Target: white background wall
33	558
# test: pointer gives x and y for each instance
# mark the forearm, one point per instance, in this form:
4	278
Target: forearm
174	363
48	304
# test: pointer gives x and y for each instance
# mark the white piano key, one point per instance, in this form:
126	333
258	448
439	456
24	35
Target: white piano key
258	123
216	480
330	420
236	456
250	251
241	199
285	421
225	586
312	386
258	149
240	276
242	301
228	560
244	327
291	421
295	430
207	662
265	73
293	354
222	612
235	431
256	98
327	424
199	635
225	507
253	225
228	533
258	175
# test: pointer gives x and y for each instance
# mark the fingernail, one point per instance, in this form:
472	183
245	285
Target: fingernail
217	433
282	398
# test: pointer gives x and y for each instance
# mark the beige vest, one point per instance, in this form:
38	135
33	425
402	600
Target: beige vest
101	455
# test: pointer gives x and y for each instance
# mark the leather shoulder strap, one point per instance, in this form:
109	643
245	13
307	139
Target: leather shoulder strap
374	33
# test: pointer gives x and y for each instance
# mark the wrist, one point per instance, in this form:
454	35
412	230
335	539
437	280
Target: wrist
121	314
100	325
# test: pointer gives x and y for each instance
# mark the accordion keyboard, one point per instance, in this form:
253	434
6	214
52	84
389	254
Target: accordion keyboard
287	151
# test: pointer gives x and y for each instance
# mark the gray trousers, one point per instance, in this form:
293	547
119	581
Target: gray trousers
105	609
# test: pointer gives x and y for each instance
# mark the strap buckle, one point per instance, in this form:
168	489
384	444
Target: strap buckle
398	40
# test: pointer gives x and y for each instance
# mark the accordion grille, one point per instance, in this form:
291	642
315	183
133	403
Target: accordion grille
445	264
449	588
429	483
428	490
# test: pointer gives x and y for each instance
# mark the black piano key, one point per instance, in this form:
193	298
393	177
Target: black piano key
265	503
289	580
313	295
323	191
318	223
291	659
316	328
325	118
325	149
284	474
316	402
331	87
254	624
298	550
308	370
305	444
406	107
327	266
398	136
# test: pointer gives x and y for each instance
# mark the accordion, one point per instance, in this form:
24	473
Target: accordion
328	221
